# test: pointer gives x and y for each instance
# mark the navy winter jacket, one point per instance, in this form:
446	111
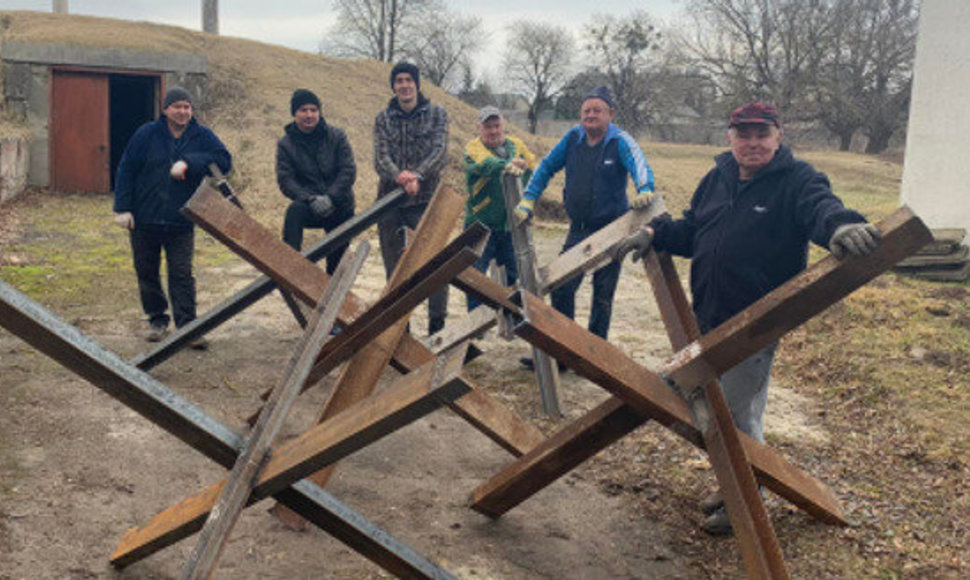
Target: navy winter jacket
607	201
143	185
747	238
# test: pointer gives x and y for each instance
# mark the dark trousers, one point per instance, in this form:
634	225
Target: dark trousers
604	287
299	217
147	244
391	228
499	248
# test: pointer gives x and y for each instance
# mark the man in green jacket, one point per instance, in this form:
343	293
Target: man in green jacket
487	158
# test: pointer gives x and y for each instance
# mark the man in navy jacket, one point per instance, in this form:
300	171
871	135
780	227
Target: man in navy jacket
597	157
161	168
747	232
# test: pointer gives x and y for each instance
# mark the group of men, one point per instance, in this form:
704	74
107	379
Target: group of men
746	230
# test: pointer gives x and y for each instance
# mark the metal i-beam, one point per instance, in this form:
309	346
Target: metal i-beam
648	395
264	285
712	417
238	488
270	255
411	397
157	403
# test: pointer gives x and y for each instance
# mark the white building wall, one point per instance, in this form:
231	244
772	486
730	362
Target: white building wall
936	174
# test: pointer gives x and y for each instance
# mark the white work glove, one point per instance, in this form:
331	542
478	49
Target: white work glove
858	239
321	206
642	199
523	212
178	170
125	220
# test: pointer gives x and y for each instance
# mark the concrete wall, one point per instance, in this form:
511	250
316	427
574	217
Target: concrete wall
936	175
13	167
26	70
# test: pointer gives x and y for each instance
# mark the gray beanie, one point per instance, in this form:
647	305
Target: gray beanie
176	94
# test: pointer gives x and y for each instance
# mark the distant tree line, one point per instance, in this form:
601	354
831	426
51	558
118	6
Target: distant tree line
842	66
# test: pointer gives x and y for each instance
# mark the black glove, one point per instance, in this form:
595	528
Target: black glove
321	206
639	242
858	239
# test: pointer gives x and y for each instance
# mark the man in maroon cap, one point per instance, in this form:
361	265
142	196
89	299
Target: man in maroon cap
747	231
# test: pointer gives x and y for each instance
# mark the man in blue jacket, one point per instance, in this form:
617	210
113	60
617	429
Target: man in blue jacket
161	168
747	231
598	157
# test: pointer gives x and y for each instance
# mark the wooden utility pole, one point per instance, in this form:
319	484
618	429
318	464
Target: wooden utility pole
60	6
210	16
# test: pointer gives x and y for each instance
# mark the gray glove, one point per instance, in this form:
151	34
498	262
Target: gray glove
639	242
858	239
321	206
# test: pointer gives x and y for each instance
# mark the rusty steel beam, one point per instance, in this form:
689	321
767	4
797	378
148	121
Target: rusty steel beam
264	285
150	398
749	519
274	258
411	397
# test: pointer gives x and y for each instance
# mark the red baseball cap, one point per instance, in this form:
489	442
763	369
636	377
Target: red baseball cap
755	113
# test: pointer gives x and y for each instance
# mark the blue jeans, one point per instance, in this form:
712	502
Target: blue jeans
746	389
499	248
604	287
147	244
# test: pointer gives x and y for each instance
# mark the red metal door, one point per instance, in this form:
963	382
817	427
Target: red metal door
80	152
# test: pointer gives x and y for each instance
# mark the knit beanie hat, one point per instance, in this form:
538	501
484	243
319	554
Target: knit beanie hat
409	68
176	94
602	93
302	97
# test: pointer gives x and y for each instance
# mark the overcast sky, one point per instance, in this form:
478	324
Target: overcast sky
301	24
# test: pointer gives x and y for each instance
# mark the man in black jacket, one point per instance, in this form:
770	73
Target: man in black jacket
161	168
315	168
747	231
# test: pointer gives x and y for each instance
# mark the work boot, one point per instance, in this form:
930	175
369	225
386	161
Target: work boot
156	332
718	523
527	362
711	503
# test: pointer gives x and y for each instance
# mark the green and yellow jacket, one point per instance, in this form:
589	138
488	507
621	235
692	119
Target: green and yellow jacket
483	175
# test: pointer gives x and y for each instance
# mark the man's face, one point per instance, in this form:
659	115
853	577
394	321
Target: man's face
753	146
492	132
179	113
307	117
595	116
404	88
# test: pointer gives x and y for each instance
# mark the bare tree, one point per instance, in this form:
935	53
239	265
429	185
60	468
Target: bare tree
371	28
627	51
537	63
440	42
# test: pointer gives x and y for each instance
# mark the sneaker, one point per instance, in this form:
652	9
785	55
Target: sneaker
711	503
527	362
156	332
718	523
199	344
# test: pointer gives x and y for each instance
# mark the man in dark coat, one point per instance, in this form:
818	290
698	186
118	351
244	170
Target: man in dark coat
747	232
315	168
410	150
162	166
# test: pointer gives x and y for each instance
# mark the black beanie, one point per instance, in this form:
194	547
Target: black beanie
176	94
302	97
406	67
602	93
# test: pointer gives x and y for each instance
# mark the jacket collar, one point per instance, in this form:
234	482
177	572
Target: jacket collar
319	132
612	132
728	166
394	107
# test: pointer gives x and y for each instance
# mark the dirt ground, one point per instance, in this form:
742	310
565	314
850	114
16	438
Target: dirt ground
80	468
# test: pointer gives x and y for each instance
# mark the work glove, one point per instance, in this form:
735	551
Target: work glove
642	199
516	167
321	206
858	239
178	170
639	242
523	212
125	220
